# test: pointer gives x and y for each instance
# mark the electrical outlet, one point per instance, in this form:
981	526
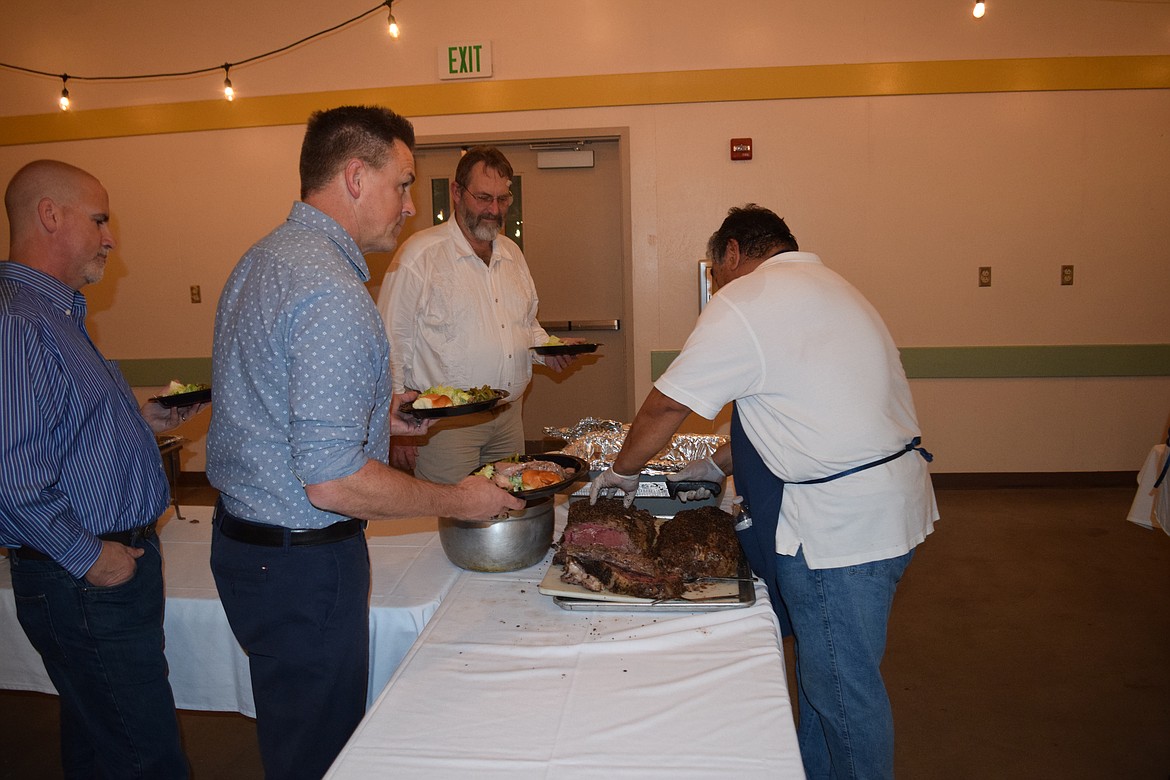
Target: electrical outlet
196	297
984	276
1066	274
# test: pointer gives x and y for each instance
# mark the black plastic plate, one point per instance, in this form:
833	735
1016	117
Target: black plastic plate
455	411
184	399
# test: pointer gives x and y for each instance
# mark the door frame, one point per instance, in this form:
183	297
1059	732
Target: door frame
622	136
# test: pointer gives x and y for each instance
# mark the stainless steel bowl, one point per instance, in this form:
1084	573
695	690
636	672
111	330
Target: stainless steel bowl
517	542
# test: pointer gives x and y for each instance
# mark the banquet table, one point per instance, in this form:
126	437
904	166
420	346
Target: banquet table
503	683
410	575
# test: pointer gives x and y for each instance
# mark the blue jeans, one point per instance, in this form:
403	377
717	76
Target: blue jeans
103	650
302	616
839	619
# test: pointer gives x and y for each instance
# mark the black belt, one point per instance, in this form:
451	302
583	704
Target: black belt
266	535
128	538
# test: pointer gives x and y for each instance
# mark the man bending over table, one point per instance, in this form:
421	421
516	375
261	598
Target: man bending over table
823	419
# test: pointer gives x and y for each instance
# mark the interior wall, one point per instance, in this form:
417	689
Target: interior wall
906	196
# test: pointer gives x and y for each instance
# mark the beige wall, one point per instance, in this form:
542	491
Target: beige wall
906	196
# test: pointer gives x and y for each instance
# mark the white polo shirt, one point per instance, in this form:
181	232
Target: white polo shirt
820	389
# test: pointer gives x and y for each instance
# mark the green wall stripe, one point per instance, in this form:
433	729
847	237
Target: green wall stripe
150	372
1004	362
1038	361
920	363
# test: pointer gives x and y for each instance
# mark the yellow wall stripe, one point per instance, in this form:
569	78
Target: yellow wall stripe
700	86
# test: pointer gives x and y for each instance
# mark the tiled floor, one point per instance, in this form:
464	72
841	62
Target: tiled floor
1030	639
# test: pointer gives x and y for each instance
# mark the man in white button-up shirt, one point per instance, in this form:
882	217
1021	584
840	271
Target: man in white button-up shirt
460	310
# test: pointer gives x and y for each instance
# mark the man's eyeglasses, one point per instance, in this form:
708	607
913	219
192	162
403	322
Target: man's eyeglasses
485	200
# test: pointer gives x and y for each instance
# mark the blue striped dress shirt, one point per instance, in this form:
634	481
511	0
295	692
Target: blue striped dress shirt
77	459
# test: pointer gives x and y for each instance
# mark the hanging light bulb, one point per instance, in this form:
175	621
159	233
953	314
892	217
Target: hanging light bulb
63	102
979	9
391	21
228	91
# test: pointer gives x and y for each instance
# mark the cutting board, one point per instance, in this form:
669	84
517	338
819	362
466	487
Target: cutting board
551	585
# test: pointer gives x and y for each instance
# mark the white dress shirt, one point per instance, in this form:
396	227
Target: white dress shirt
454	320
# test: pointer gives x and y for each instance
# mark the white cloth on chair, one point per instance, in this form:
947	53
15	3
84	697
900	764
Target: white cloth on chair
1143	507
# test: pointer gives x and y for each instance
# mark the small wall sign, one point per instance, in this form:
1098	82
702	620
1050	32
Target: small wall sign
741	148
465	61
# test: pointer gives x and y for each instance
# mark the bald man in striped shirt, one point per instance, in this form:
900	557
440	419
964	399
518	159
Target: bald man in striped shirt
81	485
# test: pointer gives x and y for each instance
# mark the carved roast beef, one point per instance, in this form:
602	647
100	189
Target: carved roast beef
606	545
622	550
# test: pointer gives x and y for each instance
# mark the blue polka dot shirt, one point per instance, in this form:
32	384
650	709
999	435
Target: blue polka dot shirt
301	377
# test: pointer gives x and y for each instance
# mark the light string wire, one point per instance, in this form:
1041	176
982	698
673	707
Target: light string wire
213	69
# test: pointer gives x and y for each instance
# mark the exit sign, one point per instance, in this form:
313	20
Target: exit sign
465	61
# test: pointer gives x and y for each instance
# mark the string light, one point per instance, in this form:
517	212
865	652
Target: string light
391	22
979	9
228	92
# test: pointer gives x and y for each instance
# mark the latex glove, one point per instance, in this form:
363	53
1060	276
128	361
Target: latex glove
703	470
609	483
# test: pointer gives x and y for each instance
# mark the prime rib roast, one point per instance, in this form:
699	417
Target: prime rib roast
699	543
622	550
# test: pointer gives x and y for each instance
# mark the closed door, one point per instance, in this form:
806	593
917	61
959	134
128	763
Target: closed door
570	229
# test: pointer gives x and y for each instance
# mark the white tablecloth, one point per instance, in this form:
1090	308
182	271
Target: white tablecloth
1141	511
505	684
208	670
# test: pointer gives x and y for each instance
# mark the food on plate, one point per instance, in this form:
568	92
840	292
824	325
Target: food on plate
554	341
699	543
609	546
432	401
176	387
626	551
441	396
514	474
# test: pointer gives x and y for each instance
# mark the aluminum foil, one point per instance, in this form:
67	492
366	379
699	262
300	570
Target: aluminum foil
598	442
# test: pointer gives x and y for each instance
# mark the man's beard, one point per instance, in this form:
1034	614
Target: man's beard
95	270
483	227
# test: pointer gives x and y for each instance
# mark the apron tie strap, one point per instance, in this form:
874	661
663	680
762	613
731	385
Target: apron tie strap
912	446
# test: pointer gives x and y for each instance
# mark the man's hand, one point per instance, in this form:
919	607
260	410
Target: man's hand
558	363
402	424
116	564
609	483
403	456
482	500
161	418
703	470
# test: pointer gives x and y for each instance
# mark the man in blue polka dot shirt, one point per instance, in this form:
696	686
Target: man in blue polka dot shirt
299	439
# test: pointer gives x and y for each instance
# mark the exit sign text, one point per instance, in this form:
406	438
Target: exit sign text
465	61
